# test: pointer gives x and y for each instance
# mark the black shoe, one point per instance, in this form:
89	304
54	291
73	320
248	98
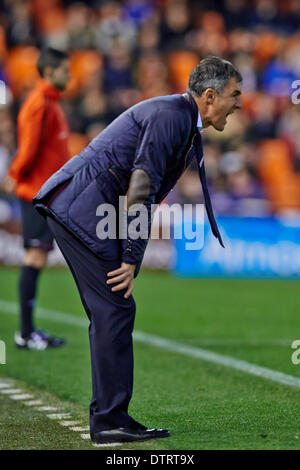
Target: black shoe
38	340
128	435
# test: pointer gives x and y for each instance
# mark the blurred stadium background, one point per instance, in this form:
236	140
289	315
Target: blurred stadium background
123	52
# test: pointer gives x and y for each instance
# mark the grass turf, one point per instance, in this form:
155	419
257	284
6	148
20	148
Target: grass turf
205	406
27	428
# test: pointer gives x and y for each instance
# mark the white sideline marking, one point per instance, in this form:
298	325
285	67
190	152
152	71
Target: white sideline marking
60	317
5	390
47	408
80	428
221	359
69	423
4	385
204	342
111	444
33	402
24	396
58	415
169	345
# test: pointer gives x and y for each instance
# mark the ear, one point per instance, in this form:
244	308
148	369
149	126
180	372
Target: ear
210	95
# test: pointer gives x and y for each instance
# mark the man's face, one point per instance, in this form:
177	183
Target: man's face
221	105
61	75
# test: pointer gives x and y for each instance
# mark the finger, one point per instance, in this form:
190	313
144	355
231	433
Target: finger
116	272
129	290
116	279
121	286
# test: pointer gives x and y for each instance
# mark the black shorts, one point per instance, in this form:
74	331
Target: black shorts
36	233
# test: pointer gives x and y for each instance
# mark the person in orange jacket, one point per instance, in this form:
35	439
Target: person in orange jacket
42	149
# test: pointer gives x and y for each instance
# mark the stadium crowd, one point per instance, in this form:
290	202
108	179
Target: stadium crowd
126	51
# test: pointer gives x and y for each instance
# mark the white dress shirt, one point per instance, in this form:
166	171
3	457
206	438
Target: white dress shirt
199	123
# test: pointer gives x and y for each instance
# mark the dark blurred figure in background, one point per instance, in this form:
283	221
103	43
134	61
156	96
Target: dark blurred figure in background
42	149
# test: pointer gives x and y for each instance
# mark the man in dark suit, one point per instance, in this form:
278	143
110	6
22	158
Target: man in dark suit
141	154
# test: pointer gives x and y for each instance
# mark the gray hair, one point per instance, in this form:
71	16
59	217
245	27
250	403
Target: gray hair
212	72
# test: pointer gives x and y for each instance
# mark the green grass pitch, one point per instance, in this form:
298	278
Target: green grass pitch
205	405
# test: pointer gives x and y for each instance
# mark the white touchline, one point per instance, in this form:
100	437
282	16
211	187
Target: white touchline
69	423
168	345
221	359
33	402
80	428
58	415
21	396
4	385
47	408
112	444
24	397
60	317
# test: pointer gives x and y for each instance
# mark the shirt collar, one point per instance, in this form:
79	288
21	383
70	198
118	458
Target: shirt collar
49	90
199	123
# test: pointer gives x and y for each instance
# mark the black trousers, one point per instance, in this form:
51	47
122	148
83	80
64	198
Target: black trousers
110	332
36	233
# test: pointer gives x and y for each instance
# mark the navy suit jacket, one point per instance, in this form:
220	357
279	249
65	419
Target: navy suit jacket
156	135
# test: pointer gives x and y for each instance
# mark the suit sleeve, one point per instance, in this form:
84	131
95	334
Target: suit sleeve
30	134
159	139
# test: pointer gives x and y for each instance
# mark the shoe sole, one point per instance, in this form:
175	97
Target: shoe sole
108	440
